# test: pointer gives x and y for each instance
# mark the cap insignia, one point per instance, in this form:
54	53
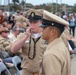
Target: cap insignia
32	14
52	24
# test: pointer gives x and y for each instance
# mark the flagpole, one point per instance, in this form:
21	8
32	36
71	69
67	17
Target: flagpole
61	5
56	5
25	5
8	5
52	6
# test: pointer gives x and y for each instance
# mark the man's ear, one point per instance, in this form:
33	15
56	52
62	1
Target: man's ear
53	31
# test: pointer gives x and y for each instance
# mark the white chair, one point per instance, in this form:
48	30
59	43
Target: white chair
3	67
17	63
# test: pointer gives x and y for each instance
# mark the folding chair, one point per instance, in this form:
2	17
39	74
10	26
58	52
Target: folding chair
17	63
3	68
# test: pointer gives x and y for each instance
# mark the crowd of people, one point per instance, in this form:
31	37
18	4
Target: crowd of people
44	41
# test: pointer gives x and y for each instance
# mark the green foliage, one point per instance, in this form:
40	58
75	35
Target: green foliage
29	5
15	1
74	8
43	6
23	3
15	6
49	7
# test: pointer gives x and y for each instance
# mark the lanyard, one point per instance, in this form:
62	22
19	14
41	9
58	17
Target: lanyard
34	52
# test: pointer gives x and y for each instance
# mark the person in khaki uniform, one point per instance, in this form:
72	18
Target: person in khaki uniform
56	58
3	39
5	45
20	18
66	36
32	46
74	40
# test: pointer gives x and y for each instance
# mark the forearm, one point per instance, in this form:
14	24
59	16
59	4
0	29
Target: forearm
18	45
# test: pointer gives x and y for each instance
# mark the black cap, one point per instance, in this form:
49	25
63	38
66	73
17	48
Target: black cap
33	16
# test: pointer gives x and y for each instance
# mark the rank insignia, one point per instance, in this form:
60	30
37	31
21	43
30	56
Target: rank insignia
32	14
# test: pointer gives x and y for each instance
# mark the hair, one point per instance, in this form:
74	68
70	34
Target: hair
4	72
18	24
59	29
14	28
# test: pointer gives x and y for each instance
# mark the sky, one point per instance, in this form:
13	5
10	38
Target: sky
37	2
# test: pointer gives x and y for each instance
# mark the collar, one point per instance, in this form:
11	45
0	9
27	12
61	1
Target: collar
39	35
56	41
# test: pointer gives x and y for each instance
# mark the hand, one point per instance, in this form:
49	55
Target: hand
69	37
73	39
0	60
28	32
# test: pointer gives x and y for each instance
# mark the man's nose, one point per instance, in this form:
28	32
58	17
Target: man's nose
32	26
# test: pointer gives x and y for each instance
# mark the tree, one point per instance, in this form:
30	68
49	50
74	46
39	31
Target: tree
15	1
74	8
15	6
23	3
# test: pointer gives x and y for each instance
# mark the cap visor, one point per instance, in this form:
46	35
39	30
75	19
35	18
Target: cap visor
41	25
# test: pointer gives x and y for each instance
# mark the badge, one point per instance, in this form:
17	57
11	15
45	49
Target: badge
32	14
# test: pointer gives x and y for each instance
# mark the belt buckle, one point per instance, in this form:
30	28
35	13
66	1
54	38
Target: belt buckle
35	73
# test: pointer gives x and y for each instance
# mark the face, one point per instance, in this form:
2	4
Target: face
45	33
17	31
34	25
9	26
5	24
48	33
18	24
4	34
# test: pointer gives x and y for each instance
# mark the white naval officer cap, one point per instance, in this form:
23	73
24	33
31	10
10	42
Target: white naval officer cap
50	19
